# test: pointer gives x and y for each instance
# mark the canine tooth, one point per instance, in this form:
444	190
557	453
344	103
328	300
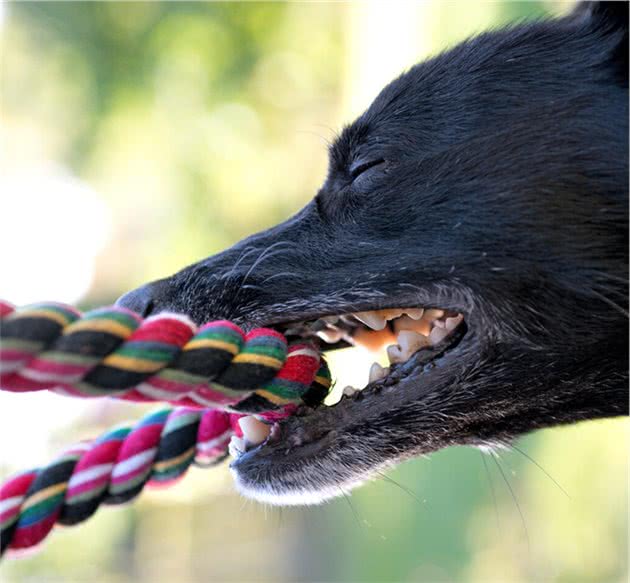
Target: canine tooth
414	313
437	335
254	430
452	323
349	391
331	319
390	314
377	372
372	319
410	341
331	335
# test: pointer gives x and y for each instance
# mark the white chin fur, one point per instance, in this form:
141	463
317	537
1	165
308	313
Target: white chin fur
269	495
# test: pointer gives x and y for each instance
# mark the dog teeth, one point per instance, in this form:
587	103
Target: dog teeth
414	313
331	335
349	391
377	319
411	330
372	319
394	354
254	430
377	372
390	314
452	323
237	446
411	341
437	335
432	315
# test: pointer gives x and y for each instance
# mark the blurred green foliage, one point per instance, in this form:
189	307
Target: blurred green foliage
199	123
183	116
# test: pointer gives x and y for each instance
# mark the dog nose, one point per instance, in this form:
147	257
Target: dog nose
139	300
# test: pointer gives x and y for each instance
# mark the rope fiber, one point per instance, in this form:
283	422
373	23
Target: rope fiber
216	374
112	469
114	352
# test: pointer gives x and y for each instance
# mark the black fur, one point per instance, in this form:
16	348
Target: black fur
491	179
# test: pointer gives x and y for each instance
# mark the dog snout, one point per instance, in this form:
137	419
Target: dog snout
141	300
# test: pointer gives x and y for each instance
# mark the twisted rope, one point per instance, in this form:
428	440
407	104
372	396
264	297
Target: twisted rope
114	352
112	469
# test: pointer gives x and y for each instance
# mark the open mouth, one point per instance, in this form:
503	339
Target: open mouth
403	341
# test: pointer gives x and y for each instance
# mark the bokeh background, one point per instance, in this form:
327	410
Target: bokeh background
140	137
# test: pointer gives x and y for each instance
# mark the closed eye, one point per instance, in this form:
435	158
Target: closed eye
362	167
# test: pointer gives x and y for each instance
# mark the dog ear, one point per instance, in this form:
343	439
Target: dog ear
610	18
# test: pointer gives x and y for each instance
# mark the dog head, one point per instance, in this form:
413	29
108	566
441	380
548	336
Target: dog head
489	183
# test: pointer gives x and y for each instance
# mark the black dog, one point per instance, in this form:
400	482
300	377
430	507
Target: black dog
489	182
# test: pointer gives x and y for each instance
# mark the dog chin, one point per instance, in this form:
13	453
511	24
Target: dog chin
277	496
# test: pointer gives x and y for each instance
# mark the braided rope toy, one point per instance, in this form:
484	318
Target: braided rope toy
114	352
112	469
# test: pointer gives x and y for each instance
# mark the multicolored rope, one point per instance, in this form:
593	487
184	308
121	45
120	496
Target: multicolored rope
114	352
112	469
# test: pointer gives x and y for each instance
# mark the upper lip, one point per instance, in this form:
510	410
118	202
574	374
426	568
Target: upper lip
456	299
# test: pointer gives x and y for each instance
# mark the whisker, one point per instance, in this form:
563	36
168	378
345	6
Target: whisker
267	253
492	492
407	491
259	261
325	140
352	508
543	470
518	506
334	133
245	253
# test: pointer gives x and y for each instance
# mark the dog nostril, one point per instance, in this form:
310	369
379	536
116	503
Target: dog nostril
138	300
